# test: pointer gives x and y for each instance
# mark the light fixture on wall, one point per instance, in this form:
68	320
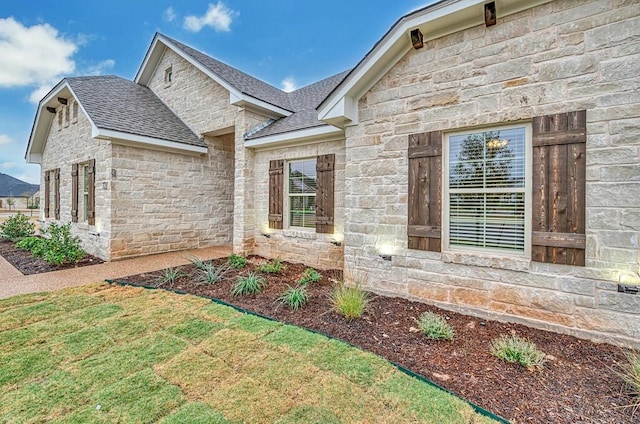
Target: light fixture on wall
267	235
490	16
417	38
385	257
92	233
336	242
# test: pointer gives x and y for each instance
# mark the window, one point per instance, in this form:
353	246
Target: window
168	75
83	192
486	188
302	193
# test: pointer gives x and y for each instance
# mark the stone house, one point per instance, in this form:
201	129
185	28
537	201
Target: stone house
483	157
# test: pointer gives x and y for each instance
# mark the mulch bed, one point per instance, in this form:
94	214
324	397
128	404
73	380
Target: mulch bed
576	385
27	264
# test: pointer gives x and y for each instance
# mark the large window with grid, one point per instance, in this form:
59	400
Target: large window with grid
302	182
486	188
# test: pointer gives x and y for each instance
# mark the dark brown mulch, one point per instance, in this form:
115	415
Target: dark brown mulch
28	264
576	385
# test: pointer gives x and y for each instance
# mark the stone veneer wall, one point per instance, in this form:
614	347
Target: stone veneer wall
558	57
299	245
72	143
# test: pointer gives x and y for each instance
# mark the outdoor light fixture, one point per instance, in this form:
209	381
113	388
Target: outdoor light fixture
51	109
385	257
266	235
417	39
490	16
336	242
91	233
62	100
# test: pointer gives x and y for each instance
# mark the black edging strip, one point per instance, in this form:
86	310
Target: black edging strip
400	368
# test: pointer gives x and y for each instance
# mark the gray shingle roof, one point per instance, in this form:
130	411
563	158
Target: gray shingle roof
244	83
117	104
13	187
304	101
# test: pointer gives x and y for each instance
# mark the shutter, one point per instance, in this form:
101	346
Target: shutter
276	179
57	192
91	170
425	191
74	192
47	195
325	165
559	163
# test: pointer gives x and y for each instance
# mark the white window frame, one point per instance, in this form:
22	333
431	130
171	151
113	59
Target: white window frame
527	192
287	195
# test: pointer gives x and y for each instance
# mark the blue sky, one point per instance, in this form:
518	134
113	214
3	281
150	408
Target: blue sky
287	43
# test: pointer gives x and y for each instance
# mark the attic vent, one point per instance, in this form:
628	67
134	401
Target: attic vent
258	127
168	75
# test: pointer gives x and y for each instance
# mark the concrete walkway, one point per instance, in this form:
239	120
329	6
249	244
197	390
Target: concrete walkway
12	282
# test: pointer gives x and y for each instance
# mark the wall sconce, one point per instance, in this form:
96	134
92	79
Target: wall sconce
92	233
51	109
386	257
336	242
490	15
266	235
417	39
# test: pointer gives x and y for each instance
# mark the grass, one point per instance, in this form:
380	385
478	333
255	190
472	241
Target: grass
349	301
105	354
435	326
629	372
517	350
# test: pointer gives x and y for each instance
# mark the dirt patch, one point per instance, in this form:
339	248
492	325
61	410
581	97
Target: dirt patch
27	264
576	385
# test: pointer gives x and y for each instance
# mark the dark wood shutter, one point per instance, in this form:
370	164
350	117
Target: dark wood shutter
276	181
47	194
425	191
325	171
559	163
57	193
91	170
74	192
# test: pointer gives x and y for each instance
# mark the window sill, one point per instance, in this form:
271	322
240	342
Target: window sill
487	260
300	233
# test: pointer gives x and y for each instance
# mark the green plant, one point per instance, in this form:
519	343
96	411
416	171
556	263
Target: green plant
273	267
629	372
30	243
211	274
250	284
517	350
310	275
237	261
170	275
197	262
16	227
349	301
59	246
294	297
435	326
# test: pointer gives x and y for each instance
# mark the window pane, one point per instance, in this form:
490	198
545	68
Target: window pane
487	159
491	220
302	177
302	211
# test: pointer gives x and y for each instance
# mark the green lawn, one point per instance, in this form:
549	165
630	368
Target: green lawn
107	354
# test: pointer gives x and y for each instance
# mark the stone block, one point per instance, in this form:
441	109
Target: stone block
567	67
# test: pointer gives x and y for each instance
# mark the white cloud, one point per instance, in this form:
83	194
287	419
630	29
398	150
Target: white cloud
289	84
8	165
218	17
99	68
32	55
169	15
4	140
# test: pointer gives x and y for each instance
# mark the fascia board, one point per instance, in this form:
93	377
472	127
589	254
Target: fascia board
119	137
295	137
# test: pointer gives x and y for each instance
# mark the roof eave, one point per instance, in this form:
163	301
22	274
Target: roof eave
119	137
297	137
434	21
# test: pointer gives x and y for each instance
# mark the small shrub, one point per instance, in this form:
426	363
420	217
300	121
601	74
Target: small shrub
294	297
251	284
350	302
17	227
237	261
435	326
629	372
197	262
309	275
517	350
273	267
59	246
169	276
30	243
211	274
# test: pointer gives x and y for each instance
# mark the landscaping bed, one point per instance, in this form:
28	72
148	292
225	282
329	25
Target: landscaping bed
28	264
577	384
